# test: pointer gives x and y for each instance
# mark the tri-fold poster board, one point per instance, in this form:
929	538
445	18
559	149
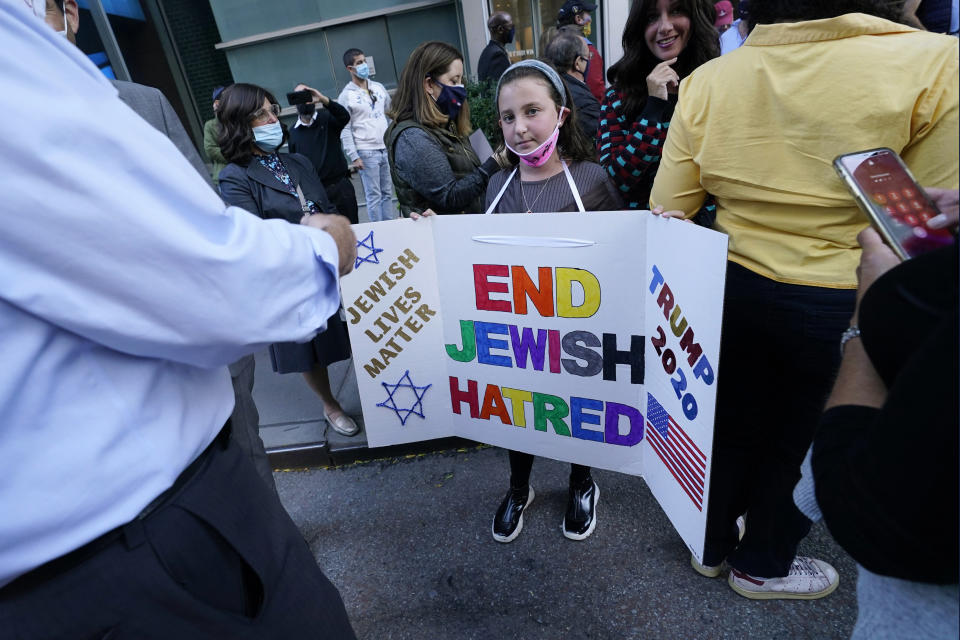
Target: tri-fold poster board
589	338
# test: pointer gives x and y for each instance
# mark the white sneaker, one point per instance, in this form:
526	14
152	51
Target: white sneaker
706	570
715	571
808	579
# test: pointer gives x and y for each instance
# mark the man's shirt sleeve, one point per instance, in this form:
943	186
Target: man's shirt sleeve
110	233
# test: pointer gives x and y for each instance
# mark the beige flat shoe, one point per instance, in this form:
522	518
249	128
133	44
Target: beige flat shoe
342	424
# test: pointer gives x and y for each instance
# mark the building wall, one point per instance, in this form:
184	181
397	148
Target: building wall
195	35
280	43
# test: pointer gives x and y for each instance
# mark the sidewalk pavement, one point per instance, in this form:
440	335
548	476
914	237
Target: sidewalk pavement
407	542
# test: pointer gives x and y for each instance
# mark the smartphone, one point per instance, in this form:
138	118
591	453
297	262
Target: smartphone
299	97
898	207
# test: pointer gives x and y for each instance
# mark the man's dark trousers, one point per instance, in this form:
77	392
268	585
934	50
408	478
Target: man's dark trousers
220	558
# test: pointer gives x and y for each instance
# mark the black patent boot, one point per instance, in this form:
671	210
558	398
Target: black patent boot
508	522
581	517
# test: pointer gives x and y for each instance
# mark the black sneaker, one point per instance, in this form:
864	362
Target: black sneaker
581	517
508	522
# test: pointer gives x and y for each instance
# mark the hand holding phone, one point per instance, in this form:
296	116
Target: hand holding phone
898	207
299	97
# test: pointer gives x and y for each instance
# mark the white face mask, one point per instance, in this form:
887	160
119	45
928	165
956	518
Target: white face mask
38	7
65	27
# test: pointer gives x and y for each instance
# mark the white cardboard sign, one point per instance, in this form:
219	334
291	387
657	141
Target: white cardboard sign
592	339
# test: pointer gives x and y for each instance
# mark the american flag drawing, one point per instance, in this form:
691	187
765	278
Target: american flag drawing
676	450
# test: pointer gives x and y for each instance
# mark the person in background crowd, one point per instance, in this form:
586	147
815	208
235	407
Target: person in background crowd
362	138
724	11
901	528
149	102
151	105
280	186
534	106
316	135
792	228
939	16
546	37
211	129
734	37
574	17
127	511
663	42
431	160
570	55
494	59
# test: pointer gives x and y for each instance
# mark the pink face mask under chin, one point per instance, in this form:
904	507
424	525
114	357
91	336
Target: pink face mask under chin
542	153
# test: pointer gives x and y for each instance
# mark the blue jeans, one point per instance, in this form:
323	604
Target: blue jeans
377	185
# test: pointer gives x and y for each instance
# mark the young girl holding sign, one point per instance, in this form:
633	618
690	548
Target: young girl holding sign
553	170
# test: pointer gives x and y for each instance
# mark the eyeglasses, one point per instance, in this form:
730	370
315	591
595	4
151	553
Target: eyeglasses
264	114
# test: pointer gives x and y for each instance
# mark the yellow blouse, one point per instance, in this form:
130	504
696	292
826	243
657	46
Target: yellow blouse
759	128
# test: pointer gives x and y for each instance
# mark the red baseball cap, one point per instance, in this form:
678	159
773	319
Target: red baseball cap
724	13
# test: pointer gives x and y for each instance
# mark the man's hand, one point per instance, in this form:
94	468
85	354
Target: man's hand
339	229
877	258
317	96
358	164
948	202
663	79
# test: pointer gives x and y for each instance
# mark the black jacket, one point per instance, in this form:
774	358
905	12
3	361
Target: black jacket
255	188
493	62
320	142
588	109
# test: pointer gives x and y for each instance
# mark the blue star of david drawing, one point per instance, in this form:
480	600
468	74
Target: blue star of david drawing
391	403
371	257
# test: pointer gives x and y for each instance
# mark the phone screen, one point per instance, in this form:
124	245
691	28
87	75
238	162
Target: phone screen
299	97
896	201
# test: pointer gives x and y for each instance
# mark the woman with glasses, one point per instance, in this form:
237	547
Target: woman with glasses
286	187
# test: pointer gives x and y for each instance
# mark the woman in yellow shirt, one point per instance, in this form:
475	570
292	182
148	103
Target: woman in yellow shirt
758	129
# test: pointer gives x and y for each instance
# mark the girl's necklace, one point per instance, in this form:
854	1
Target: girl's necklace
542	189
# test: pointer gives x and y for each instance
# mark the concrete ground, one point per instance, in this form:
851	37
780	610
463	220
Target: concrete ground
407	541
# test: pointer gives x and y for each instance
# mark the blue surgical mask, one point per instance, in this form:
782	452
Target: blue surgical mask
268	137
451	99
362	70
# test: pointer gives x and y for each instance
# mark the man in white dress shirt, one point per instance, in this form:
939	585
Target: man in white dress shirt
126	287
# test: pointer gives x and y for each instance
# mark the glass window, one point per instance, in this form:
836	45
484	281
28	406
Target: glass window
533	18
524	42
548	18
